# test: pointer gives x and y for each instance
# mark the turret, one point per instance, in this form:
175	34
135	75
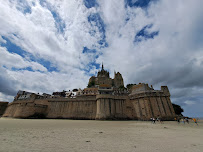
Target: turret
118	80
165	90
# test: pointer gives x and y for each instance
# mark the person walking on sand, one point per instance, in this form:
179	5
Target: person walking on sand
151	120
195	120
186	119
154	120
161	121
183	120
178	120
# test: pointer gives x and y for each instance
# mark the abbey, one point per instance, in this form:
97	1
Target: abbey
104	98
103	78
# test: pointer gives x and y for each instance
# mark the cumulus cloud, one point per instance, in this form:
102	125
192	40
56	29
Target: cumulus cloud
7	83
48	82
6	98
8	60
157	42
172	57
37	33
2	40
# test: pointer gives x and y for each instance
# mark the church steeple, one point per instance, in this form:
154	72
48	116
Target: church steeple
102	66
114	73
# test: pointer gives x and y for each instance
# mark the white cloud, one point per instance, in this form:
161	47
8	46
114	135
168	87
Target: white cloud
2	40
48	82
12	60
174	57
37	34
6	98
164	55
188	102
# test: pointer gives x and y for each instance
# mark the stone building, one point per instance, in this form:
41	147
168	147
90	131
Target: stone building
103	78
104	98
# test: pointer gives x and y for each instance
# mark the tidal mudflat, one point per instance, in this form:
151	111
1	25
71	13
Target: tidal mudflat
50	135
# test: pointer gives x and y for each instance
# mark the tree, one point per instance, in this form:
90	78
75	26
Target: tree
122	87
75	90
178	110
129	86
92	83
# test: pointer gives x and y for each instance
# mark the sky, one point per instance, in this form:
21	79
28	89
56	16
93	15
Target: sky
55	45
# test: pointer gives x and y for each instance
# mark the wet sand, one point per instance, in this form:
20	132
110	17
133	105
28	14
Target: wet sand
23	135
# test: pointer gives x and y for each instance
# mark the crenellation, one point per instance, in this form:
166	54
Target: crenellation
104	98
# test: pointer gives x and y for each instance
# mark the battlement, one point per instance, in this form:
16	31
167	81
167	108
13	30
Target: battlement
105	98
141	87
165	90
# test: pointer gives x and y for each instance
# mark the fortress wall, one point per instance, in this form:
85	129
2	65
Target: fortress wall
166	106
141	106
136	106
156	112
41	101
25	108
10	110
18	110
111	107
25	111
142	109
145	107
72	109
171	106
3	106
148	108
103	108
130	110
120	109
161	106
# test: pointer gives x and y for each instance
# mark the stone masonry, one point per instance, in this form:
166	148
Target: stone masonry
104	98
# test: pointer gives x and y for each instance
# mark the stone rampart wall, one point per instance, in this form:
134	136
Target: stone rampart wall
145	107
72	109
88	107
141	106
26	108
111	107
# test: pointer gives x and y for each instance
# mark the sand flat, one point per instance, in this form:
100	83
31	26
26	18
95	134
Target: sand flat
50	135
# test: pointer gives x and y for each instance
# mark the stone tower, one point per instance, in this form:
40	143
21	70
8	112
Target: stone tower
104	78
118	80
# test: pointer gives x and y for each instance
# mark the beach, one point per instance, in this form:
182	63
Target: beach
61	135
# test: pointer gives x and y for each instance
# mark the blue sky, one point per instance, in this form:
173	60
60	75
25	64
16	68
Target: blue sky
48	45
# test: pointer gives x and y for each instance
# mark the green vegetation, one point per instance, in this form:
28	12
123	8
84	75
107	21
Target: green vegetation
122	87
91	84
113	83
75	90
129	86
178	110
